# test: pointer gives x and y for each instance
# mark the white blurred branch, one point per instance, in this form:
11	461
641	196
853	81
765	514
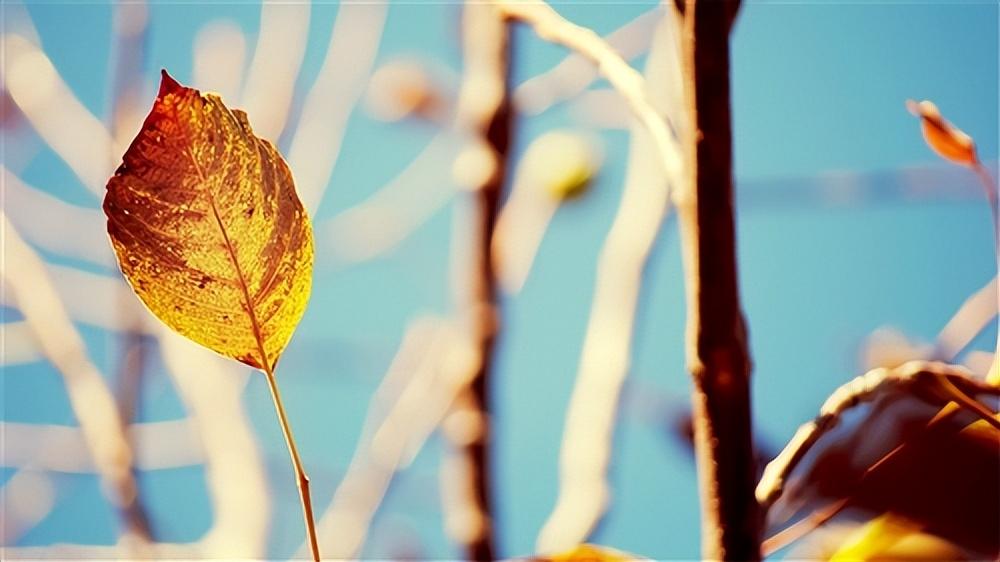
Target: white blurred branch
93	403
575	73
281	44
350	57
584	492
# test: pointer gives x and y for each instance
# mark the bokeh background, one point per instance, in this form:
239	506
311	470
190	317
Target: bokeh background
847	224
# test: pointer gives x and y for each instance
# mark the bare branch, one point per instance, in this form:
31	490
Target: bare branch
604	361
575	73
315	144
91	400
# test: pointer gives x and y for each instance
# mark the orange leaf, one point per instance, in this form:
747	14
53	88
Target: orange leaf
944	138
208	229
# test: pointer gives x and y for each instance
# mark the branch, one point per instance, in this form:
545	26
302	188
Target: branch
436	360
604	360
93	403
552	27
484	114
718	358
940	382
575	73
350	56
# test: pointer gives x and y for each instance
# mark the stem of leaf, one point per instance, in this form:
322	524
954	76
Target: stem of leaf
301	478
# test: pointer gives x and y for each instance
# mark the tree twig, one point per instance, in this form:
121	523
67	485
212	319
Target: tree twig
587	444
484	115
92	402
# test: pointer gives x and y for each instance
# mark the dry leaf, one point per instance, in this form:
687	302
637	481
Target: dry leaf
944	138
208	228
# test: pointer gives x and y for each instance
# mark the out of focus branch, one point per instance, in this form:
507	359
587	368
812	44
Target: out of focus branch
281	44
587	445
57	448
574	73
549	25
52	109
971	318
92	402
380	222
939	381
219	52
350	56
437	362
484	114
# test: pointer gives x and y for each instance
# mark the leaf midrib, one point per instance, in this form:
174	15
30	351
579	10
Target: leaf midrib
248	302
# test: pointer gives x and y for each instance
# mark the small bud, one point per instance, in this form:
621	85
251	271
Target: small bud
944	138
562	163
403	89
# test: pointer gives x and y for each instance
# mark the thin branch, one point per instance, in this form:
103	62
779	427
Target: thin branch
92	402
438	363
550	26
211	390
51	107
65	448
942	382
350	56
394	211
604	360
281	45
575	73
484	114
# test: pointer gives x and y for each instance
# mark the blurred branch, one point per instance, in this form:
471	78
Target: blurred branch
938	381
394	211
315	144
91	400
52	109
281	44
55	225
436	361
28	496
219	52
604	361
58	448
575	73
19	344
211	388
549	25
484	114
971	318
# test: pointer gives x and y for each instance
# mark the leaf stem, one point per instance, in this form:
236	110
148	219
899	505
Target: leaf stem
300	473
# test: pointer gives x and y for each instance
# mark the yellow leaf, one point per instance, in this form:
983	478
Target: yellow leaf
592	553
944	138
208	229
891	538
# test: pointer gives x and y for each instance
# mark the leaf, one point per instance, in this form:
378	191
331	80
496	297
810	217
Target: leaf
208	229
591	553
948	141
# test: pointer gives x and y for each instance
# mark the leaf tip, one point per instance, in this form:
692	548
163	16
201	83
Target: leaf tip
167	84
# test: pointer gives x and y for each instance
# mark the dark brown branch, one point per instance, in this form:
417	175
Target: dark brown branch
484	113
718	357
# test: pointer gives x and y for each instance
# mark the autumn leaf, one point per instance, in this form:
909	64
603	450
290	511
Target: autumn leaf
208	229
948	141
591	553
